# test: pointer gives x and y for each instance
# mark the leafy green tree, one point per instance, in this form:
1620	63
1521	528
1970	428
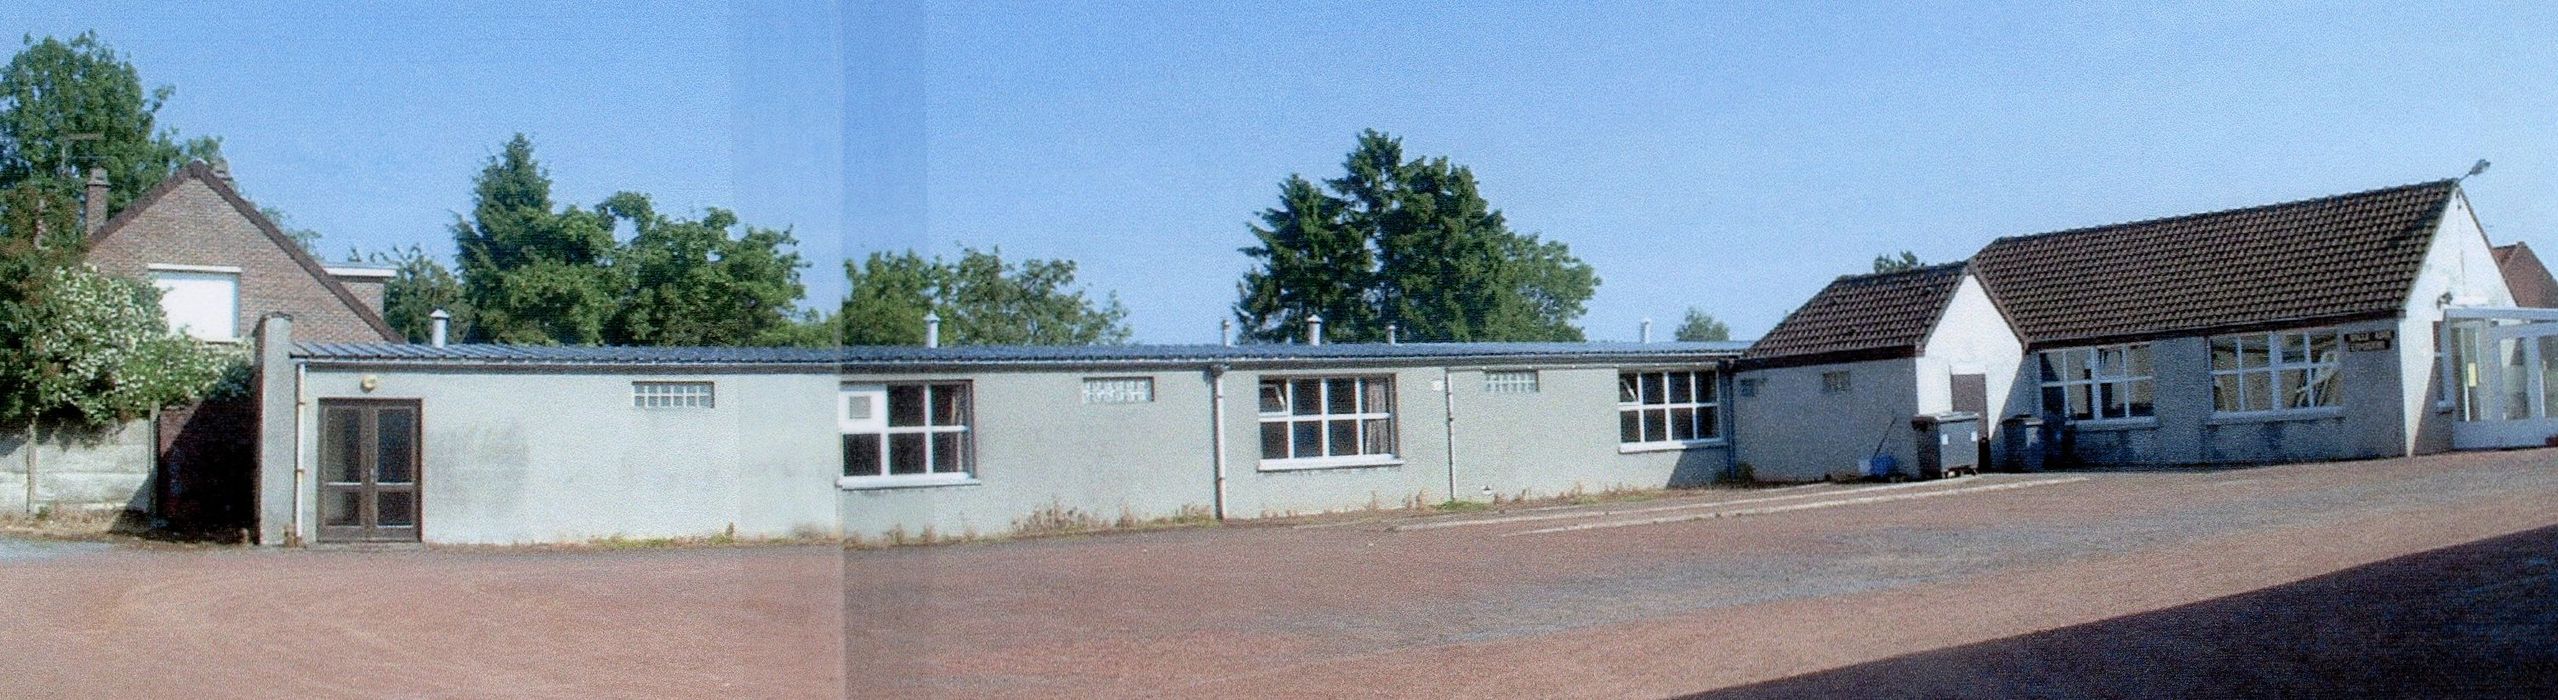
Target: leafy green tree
1906	260
981	299
531	274
68	106
1411	243
89	349
419	286
1700	327
691	283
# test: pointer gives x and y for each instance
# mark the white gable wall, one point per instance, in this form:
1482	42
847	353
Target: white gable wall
1971	338
2461	265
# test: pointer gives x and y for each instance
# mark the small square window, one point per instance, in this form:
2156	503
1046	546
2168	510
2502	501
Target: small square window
1520	381
1834	382
1119	390
671	395
1749	388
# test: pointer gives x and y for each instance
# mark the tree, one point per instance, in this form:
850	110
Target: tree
981	299
1407	243
1904	262
1701	327
69	106
90	349
419	286
530	274
691	283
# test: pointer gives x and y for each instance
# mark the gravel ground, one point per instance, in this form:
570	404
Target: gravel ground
2428	576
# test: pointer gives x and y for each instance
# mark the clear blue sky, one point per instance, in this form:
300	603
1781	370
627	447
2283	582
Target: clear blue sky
1729	157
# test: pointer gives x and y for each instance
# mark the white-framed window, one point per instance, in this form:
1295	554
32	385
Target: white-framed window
1326	421
672	395
1119	390
1835	382
1510	381
2284	371
906	433
202	301
2099	382
1669	407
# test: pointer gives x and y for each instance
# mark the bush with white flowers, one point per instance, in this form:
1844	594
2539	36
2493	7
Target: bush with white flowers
94	349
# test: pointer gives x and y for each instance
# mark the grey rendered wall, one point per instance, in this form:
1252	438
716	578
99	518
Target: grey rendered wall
1791	431
526	456
1421	444
1564	438
1041	448
2186	431
79	469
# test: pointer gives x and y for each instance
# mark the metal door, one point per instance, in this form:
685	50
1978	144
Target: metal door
369	470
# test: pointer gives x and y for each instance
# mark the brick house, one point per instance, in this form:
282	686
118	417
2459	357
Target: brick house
221	265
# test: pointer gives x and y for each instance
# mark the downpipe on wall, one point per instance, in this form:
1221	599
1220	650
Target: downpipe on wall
1448	399
1217	433
301	471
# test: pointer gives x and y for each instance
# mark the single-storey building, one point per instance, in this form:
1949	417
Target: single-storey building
517	444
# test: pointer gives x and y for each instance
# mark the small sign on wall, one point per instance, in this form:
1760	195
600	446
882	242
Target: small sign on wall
2370	341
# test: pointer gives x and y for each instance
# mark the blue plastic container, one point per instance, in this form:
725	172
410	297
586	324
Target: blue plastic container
1881	466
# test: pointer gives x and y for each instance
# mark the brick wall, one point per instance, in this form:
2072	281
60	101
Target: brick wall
193	224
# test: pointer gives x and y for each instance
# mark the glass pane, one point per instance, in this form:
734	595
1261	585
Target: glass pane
1656	426
2142	401
1627	391
1274	397
950	404
905	406
1308	394
2259	389
1708	425
1341	437
861	455
1376	395
1682	424
2291	348
341	433
2324	386
342	507
2225	394
1705	387
1629	426
949	454
2224	353
1682	387
395	431
2324	349
2054	400
2082	364
1308	438
2111	403
394	509
2290	388
2251	350
2079	408
1274	440
1652	388
1341	396
2139	355
1377	436
2109	362
2051	366
2517	379
906	453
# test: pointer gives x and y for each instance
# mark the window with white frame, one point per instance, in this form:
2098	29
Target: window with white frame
2099	383
2284	371
906	432
1666	408
1323	421
1119	390
1510	381
671	395
1835	382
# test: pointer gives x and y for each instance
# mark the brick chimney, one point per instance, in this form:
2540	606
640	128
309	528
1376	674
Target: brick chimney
93	211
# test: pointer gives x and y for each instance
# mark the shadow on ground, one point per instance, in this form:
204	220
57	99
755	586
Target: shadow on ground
2476	620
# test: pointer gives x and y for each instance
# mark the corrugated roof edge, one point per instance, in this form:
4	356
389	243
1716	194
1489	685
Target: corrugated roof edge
992	356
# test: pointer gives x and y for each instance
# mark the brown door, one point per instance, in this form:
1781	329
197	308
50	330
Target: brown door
1972	395
368	470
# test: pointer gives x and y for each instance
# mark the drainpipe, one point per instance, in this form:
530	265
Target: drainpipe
1448	395
301	465
1217	436
1314	329
932	330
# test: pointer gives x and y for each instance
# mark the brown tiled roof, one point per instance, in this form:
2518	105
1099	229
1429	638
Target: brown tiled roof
2526	277
2321	260
1861	317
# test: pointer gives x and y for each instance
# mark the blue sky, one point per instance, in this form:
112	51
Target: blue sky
1732	157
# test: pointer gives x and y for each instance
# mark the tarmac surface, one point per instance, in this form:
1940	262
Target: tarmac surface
2434	576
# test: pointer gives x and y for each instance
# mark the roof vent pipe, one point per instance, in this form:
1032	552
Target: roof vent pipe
1314	329
932	330
441	323
1226	332
1390	335
1646	333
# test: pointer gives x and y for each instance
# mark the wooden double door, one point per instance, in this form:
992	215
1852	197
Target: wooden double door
369	470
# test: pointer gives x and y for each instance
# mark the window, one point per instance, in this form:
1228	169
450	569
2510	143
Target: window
1119	390
1835	382
671	394
200	300
1327	421
922	435
2259	372
1510	381
1747	388
1666	408
2097	383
